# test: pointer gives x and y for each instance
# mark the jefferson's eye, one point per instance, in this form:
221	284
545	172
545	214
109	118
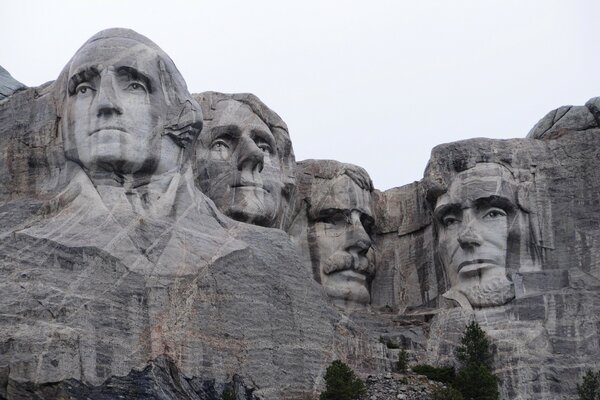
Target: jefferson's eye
83	88
449	220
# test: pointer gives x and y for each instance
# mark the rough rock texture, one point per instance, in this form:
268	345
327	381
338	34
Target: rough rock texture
122	281
8	84
399	387
92	293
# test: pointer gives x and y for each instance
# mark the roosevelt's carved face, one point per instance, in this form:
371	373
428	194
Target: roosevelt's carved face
114	108
473	220
238	167
339	240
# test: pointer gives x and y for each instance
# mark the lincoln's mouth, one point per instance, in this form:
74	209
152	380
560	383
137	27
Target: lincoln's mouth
107	128
474	265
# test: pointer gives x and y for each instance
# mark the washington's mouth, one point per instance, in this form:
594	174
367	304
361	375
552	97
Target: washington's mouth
107	128
474	265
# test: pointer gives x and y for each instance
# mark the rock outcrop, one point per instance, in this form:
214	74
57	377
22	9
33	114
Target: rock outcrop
120	277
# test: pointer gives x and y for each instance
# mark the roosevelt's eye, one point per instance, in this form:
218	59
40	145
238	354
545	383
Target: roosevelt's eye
137	86
337	218
494	213
83	88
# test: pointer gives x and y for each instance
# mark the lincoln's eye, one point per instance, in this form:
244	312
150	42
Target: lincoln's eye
494	213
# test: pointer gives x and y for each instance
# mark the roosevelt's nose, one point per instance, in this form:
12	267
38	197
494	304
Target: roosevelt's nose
107	99
250	156
359	239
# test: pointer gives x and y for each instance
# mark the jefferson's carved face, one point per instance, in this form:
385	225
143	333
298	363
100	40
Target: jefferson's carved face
339	238
115	107
238	167
473	219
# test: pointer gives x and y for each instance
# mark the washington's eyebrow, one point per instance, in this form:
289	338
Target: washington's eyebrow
135	75
84	75
264	135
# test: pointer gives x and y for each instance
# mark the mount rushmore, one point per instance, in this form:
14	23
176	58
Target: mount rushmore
153	240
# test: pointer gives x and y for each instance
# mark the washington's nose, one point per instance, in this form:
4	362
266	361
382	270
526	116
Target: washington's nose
107	99
468	238
250	156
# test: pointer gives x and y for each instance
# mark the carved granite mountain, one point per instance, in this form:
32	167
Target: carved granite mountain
121	278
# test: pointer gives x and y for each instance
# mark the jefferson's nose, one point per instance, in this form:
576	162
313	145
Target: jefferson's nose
250	156
107	99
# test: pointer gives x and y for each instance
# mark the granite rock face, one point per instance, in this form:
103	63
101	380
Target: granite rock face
155	244
111	257
8	84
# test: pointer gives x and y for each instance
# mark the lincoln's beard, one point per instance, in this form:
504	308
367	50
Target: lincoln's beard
491	292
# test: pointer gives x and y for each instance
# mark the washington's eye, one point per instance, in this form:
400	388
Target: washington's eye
219	144
137	86
83	88
495	213
264	147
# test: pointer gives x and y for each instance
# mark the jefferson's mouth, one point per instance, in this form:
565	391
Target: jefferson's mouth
250	185
353	275
107	128
474	265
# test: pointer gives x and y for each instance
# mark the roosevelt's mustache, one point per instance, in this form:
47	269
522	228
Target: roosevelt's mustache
341	261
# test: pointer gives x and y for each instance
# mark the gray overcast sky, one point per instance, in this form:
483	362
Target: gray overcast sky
376	84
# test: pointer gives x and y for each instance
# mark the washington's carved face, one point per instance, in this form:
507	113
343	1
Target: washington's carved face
339	239
238	167
114	107
473	220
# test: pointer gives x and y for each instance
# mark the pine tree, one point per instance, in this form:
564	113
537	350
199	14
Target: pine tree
475	347
341	383
475	380
590	387
402	363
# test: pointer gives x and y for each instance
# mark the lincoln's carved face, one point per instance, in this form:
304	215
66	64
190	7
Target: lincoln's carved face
473	220
114	108
339	238
238	166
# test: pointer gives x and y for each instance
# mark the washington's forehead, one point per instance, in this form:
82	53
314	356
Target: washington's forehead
115	52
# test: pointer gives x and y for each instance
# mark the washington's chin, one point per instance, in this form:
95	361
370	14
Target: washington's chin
348	289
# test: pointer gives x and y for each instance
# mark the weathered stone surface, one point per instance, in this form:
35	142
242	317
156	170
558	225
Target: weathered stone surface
110	256
244	159
120	277
8	84
332	225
